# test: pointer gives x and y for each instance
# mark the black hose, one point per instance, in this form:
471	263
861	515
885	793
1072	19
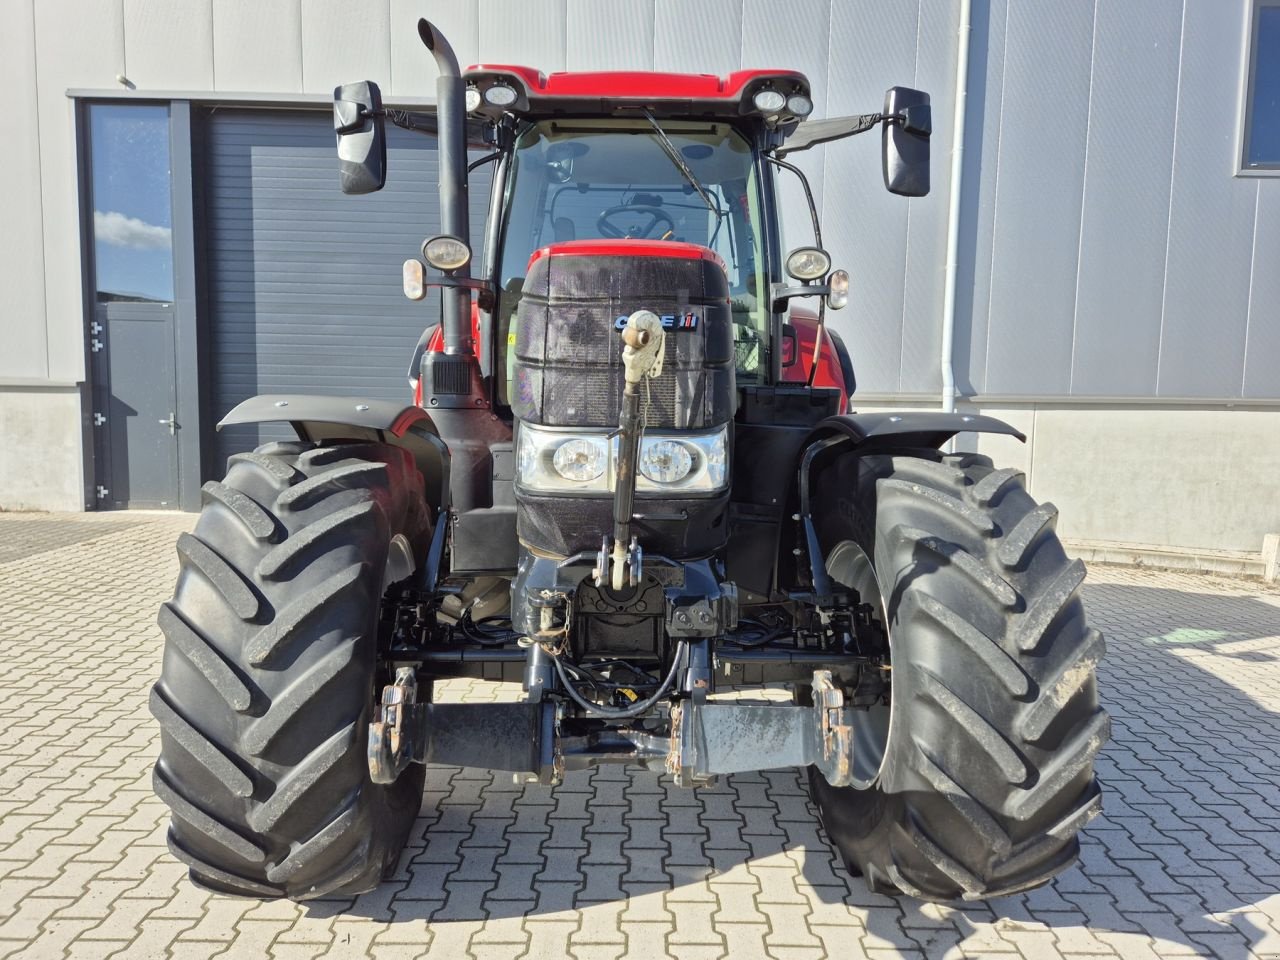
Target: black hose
623	713
476	632
762	636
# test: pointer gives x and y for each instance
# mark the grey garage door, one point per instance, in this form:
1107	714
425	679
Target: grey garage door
304	282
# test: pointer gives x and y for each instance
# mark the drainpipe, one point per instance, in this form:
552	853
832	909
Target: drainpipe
953	207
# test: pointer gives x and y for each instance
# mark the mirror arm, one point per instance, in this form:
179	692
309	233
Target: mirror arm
780	294
913	120
418	122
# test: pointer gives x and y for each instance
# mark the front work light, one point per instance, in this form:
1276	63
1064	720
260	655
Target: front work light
799	105
473	99
808	263
446	253
411	274
500	95
769	101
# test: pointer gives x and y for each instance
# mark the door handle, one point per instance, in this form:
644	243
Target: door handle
171	423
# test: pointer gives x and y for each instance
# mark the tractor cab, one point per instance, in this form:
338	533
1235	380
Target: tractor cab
689	158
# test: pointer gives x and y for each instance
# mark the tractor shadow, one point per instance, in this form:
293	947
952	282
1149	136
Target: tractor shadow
1190	830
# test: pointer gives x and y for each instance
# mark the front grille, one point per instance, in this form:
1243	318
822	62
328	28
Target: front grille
568	354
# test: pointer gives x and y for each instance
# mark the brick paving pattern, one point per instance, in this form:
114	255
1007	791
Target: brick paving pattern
1184	862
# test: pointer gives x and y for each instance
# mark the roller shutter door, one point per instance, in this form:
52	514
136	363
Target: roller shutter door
303	282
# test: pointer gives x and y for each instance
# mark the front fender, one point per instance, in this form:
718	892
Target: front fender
912	428
853	434
350	418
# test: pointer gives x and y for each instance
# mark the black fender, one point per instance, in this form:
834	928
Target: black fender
884	432
852	434
911	428
350	418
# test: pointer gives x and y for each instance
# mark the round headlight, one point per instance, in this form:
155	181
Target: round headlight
473	99
446	253
808	263
769	101
799	105
500	95
666	461
579	460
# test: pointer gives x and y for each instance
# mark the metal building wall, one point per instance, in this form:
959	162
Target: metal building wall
1107	247
1113	251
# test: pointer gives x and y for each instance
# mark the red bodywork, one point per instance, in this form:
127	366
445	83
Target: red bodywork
628	248
633	84
830	373
623	93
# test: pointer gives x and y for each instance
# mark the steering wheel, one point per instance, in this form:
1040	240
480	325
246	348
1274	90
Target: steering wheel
657	216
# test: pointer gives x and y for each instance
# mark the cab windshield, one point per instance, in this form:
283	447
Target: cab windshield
585	180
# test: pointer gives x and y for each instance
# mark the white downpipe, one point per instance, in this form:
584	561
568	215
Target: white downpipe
953	207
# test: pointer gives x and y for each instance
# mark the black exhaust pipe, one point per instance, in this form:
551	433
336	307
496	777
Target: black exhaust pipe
451	120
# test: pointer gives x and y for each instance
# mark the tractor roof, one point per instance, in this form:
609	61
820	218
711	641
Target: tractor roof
500	88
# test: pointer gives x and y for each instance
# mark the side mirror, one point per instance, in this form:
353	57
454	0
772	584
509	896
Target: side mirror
362	140
905	142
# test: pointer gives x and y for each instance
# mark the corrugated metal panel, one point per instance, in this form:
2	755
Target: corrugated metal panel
257	46
169	43
22	322
530	32
304	282
1027	131
1261	374
1040	183
1206	296
701	37
610	34
1126	198
345	40
863	224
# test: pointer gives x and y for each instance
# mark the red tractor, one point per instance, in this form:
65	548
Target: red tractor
628	481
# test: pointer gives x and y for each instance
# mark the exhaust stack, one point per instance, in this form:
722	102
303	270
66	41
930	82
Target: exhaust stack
451	118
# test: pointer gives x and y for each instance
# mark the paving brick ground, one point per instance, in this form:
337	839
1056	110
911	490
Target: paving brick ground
616	863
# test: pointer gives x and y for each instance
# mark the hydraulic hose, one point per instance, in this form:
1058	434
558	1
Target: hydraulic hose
624	713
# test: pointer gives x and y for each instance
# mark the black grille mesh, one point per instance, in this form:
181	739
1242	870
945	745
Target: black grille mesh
568	363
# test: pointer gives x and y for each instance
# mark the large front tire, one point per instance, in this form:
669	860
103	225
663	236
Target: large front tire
981	764
269	675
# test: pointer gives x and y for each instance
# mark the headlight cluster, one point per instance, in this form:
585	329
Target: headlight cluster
556	461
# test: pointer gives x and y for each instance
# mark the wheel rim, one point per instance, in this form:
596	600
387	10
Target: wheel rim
849	565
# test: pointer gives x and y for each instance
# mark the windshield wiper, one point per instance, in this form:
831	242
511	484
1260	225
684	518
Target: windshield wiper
670	150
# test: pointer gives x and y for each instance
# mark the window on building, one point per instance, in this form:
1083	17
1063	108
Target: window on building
132	202
1262	117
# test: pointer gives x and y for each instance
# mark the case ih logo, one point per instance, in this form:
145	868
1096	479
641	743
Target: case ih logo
670	321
